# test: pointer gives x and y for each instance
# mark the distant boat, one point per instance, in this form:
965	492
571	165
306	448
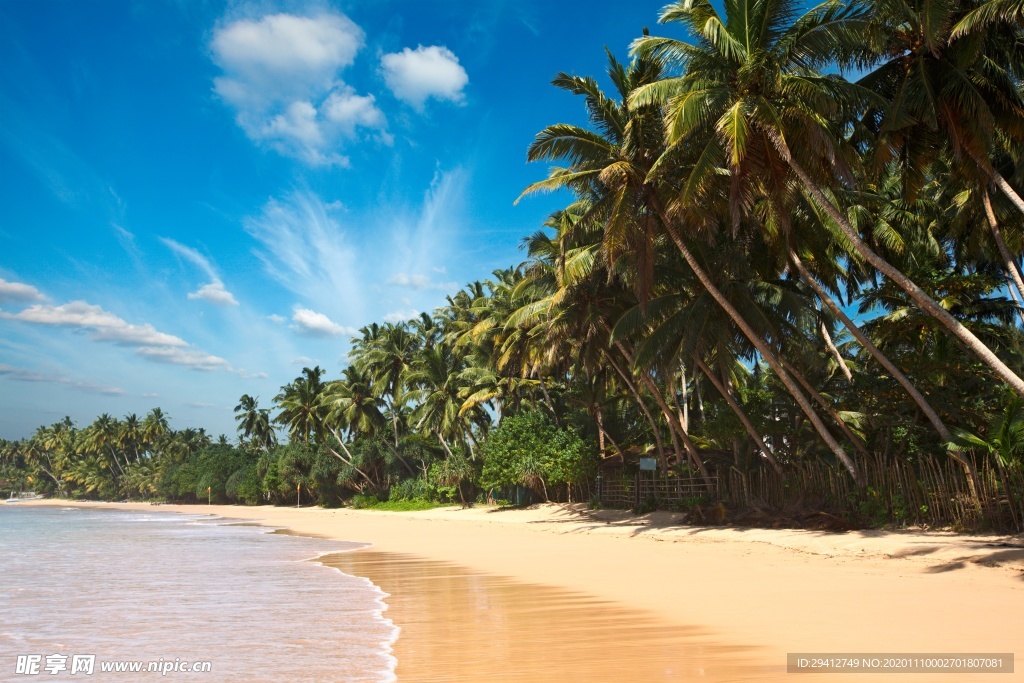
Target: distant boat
25	495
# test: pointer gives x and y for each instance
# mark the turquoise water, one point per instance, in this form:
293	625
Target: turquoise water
129	586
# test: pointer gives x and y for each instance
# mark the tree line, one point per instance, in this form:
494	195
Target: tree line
761	260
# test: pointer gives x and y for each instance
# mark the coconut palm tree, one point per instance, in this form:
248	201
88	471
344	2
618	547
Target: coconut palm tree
302	411
751	96
621	165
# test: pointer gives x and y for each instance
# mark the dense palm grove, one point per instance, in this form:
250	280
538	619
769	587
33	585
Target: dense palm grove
786	238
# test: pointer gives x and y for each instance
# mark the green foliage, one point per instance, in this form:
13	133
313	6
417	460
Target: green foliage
409	489
529	449
210	467
364	502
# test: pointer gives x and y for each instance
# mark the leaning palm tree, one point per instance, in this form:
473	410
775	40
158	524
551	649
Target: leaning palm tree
751	96
622	166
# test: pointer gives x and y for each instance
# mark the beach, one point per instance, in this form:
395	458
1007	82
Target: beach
737	600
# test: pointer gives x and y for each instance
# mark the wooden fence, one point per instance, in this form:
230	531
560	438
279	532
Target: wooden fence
925	491
625	491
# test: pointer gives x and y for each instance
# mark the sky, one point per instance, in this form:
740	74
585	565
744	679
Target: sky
200	198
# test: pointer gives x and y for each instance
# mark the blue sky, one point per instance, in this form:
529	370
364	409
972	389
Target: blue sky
199	198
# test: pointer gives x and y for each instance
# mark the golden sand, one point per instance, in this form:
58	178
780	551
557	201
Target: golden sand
476	591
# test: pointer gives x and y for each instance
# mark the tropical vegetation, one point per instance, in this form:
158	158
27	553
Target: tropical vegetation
786	236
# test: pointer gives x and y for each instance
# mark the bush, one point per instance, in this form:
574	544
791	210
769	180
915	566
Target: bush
363	502
408	489
528	449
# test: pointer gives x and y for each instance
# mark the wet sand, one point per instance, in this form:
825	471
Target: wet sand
480	590
461	625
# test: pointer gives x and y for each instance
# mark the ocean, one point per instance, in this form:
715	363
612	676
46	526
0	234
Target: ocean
171	591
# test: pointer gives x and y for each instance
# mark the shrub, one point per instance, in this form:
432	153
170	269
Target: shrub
528	449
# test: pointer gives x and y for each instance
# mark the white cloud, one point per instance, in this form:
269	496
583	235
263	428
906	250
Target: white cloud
25	375
276	319
214	293
420	282
417	75
401	316
104	325
307	251
18	292
282	77
197	360
315	324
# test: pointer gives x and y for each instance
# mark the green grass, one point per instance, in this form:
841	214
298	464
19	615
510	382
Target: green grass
407	505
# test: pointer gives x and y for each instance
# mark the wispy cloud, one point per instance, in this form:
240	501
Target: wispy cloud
420	282
414	76
282	76
25	375
314	324
196	360
104	326
305	249
212	292
18	292
401	316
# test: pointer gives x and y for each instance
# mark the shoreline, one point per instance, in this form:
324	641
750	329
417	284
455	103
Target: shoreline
769	591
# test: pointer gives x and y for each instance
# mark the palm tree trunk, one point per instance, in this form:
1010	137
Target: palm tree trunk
835	352
999	180
747	424
925	302
686	397
547	399
347	461
897	374
674	427
755	339
836	417
640	402
1011	264
602	434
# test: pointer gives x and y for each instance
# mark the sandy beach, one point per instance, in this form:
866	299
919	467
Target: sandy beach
645	599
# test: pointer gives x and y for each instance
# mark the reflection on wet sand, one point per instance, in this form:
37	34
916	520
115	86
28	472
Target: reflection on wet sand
460	625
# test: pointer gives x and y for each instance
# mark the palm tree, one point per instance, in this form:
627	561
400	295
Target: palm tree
622	167
301	409
752	98
254	422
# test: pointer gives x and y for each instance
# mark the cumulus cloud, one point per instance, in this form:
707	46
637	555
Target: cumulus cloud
276	319
104	326
419	282
212	292
414	76
25	375
313	324
18	292
281	74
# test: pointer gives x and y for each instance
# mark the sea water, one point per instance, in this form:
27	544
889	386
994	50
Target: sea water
132	587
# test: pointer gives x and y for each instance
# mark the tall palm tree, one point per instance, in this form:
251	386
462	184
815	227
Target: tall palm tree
622	165
751	96
301	409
